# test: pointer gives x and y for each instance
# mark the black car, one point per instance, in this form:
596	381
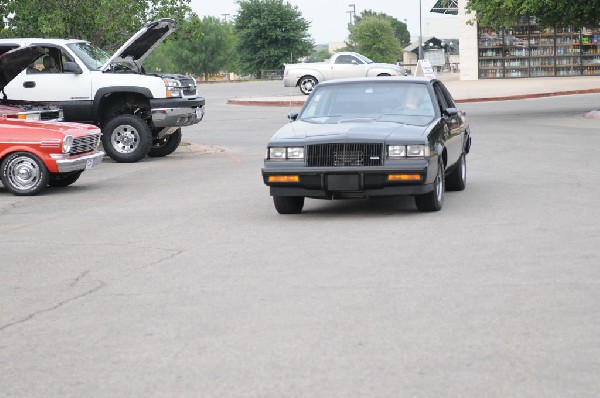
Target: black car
370	137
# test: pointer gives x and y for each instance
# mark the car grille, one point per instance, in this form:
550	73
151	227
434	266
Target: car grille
189	86
49	115
344	155
85	144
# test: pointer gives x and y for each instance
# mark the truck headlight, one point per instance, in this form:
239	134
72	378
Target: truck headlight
173	88
396	151
277	153
67	143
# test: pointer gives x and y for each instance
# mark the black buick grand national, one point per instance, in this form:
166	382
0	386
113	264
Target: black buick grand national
370	137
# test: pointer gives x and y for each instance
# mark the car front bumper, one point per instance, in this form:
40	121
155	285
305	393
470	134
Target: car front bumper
176	112
80	163
350	182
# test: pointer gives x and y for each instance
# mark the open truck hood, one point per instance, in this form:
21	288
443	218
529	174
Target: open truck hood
14	61
141	44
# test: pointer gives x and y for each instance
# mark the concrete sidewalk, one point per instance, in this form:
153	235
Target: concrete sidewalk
474	90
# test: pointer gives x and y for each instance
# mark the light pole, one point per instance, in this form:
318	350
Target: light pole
225	17
420	32
352	13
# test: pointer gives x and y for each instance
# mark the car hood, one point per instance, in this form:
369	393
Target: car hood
16	130
362	130
141	44
14	61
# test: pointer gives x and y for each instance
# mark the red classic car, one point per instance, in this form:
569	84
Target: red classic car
36	154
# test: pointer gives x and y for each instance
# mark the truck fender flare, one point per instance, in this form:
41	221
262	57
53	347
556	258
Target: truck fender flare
308	72
103	92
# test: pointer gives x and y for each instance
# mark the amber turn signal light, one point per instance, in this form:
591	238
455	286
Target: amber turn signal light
284	178
404	177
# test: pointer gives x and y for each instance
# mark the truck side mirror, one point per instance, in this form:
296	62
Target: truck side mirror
72	67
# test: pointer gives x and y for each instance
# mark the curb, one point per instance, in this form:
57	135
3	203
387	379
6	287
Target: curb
296	103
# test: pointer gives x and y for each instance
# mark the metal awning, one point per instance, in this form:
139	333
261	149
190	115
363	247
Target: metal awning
446	7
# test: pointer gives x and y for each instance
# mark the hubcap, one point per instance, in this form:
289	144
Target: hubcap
308	85
125	139
23	172
439	186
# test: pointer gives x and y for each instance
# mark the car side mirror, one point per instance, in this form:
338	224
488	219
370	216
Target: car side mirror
451	112
293	116
72	67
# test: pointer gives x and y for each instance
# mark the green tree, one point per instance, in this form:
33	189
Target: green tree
270	33
106	23
201	47
318	56
502	13
374	37
400	28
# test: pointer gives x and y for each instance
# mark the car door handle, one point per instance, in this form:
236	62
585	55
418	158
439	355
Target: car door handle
29	84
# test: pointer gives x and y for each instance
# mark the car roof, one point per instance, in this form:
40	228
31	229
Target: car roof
394	79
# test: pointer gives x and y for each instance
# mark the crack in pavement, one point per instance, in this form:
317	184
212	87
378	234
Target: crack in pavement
29	317
80	277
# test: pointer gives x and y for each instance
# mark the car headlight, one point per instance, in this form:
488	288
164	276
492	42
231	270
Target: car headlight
417	151
286	153
295	153
67	142
407	151
173	87
396	151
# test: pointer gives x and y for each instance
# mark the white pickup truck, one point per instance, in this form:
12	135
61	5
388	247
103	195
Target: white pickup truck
139	113
340	66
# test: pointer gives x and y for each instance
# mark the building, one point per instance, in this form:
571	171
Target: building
525	50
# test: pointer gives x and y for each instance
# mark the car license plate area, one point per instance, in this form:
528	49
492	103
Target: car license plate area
89	163
343	182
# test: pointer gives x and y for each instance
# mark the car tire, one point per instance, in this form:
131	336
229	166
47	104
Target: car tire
434	200
126	138
64	179
166	145
457	179
307	84
24	174
288	204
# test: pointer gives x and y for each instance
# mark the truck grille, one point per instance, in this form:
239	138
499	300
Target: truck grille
50	115
85	144
189	86
344	155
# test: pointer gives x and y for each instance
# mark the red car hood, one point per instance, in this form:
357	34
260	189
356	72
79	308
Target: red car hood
14	130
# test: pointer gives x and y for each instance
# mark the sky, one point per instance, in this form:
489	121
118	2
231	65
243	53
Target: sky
329	18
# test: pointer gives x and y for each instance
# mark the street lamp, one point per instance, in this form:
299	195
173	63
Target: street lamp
352	13
225	17
420	32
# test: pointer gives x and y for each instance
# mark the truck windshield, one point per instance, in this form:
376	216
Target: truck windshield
93	57
365	59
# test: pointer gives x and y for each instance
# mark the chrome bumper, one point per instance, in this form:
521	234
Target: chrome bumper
176	117
80	163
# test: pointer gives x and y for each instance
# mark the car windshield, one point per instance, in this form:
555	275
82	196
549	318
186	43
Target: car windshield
93	57
391	101
364	59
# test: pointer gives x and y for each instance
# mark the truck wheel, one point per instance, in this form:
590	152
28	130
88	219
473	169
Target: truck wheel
288	204
64	179
23	173
126	138
166	145
307	84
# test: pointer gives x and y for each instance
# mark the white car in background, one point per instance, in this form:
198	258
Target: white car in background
340	66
